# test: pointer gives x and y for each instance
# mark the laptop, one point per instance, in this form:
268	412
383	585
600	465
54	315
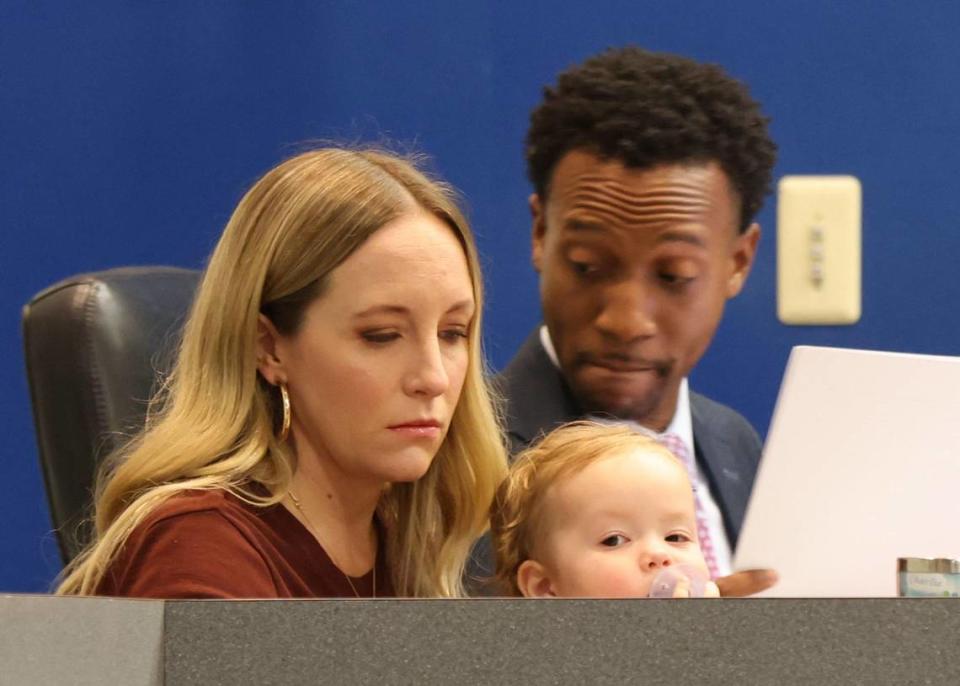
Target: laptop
861	466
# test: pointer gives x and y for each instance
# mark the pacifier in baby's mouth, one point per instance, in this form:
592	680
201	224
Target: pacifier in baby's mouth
665	583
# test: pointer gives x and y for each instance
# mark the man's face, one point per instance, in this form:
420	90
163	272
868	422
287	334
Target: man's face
635	268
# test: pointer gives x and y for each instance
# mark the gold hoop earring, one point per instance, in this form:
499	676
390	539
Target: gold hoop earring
285	399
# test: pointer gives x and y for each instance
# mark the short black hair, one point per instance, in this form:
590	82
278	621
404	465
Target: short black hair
644	108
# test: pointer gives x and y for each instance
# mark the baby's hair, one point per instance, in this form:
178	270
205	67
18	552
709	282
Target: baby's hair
515	517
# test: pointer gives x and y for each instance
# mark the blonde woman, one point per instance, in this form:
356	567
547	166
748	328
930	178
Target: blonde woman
326	430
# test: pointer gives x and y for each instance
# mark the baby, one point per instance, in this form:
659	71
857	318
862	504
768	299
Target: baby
596	510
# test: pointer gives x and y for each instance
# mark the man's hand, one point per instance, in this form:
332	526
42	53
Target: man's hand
740	584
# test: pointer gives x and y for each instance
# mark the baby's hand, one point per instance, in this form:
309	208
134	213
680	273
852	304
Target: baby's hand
682	589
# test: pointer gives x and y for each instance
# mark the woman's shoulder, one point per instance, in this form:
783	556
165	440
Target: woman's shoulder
196	544
215	500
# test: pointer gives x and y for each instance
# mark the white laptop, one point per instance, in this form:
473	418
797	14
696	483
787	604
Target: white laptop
861	466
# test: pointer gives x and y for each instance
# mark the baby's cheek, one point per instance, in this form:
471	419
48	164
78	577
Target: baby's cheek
696	559
616	581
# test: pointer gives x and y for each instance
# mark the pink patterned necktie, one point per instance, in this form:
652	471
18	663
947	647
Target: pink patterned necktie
675	445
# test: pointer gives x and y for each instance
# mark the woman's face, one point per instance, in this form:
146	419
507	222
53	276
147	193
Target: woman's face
376	368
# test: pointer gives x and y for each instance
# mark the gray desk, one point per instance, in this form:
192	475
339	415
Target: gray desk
752	641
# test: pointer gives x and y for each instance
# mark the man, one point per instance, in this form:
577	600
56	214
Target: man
648	170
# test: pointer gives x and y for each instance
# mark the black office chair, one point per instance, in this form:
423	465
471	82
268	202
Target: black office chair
95	345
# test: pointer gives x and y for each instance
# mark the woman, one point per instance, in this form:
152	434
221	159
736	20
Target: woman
326	429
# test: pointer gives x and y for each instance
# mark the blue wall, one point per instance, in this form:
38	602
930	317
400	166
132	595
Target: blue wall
129	130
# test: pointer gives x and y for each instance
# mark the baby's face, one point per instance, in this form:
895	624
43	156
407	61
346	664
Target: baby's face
611	528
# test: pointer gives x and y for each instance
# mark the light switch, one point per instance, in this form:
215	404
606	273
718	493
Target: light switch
818	249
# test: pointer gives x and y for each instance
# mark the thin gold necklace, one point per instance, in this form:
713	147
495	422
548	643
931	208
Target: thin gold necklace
313	530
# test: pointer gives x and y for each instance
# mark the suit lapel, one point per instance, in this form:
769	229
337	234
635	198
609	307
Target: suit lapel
537	397
719	460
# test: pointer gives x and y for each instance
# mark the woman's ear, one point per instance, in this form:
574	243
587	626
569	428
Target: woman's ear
268	363
533	580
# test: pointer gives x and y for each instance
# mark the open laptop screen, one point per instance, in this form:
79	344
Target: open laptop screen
861	466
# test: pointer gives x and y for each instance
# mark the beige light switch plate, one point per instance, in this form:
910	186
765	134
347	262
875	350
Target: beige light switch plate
818	249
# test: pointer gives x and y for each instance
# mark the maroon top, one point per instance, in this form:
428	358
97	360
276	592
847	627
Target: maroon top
211	544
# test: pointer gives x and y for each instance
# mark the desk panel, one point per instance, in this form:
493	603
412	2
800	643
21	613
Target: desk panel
44	639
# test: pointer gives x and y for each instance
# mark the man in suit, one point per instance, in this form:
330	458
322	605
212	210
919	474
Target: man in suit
648	170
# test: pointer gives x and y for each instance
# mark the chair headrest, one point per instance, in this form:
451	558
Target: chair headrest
96	345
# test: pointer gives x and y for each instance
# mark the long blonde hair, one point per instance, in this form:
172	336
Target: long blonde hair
213	424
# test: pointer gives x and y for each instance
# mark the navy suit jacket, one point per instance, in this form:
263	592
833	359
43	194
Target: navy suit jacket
727	447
